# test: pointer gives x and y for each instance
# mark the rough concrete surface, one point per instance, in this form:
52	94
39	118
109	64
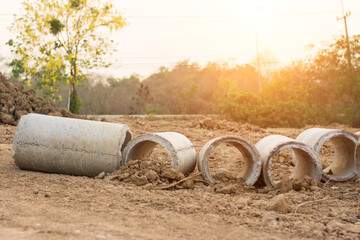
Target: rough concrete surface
179	148
307	163
342	167
69	146
252	165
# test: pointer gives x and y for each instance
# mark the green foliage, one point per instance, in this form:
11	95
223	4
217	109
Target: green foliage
323	90
57	40
55	26
75	103
320	90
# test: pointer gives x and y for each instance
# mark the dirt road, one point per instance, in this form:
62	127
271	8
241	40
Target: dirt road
35	205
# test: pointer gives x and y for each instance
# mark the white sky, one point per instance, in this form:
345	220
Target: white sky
163	32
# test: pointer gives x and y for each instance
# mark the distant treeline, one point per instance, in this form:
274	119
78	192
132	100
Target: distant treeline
185	89
320	90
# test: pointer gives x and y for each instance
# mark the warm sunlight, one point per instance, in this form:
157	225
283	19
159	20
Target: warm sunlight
179	119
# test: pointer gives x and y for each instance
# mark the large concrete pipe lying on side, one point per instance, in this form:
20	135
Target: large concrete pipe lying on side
306	160
252	166
342	167
357	155
69	146
179	148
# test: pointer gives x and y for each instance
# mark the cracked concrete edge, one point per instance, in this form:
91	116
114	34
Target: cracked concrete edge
307	161
357	155
248	150
179	148
68	146
345	144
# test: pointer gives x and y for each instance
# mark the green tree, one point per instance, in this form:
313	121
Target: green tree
330	68
59	40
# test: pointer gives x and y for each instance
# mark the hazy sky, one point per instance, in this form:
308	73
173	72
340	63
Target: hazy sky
163	32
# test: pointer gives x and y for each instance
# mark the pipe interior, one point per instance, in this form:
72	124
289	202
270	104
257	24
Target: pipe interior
141	150
343	162
304	165
241	167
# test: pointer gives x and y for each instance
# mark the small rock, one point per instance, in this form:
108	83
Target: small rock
122	176
7	118
47	195
314	188
140	181
172	174
255	213
209	123
148	186
100	176
284	185
314	182
152	175
145	164
111	177
229	189
243	201
278	204
189	184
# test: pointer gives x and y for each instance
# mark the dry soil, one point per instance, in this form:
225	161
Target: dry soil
35	205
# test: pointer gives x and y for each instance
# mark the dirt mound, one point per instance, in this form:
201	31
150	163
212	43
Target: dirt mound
150	174
15	102
222	124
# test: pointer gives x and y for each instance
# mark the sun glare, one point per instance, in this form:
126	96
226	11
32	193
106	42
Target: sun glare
255	10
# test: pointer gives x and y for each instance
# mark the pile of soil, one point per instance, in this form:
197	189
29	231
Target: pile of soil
149	173
15	102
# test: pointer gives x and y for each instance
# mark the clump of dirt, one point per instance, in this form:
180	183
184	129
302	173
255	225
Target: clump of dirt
305	184
150	174
15	102
213	124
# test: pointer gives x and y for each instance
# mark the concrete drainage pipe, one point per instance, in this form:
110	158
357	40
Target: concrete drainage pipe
357	155
342	167
179	148
68	146
306	160
252	166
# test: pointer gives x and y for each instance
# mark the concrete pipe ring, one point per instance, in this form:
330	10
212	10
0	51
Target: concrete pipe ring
68	146
342	167
179	148
357	156
307	162
252	166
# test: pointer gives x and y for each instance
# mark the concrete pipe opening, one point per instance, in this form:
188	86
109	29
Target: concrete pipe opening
249	169
68	146
178	147
305	159
336	150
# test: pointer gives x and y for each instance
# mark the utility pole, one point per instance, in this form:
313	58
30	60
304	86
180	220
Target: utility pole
257	56
345	15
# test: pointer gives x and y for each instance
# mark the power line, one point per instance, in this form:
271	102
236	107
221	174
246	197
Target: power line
345	15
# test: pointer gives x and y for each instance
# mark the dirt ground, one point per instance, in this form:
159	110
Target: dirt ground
35	205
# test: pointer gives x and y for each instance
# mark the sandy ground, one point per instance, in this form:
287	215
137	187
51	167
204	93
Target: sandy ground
35	205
